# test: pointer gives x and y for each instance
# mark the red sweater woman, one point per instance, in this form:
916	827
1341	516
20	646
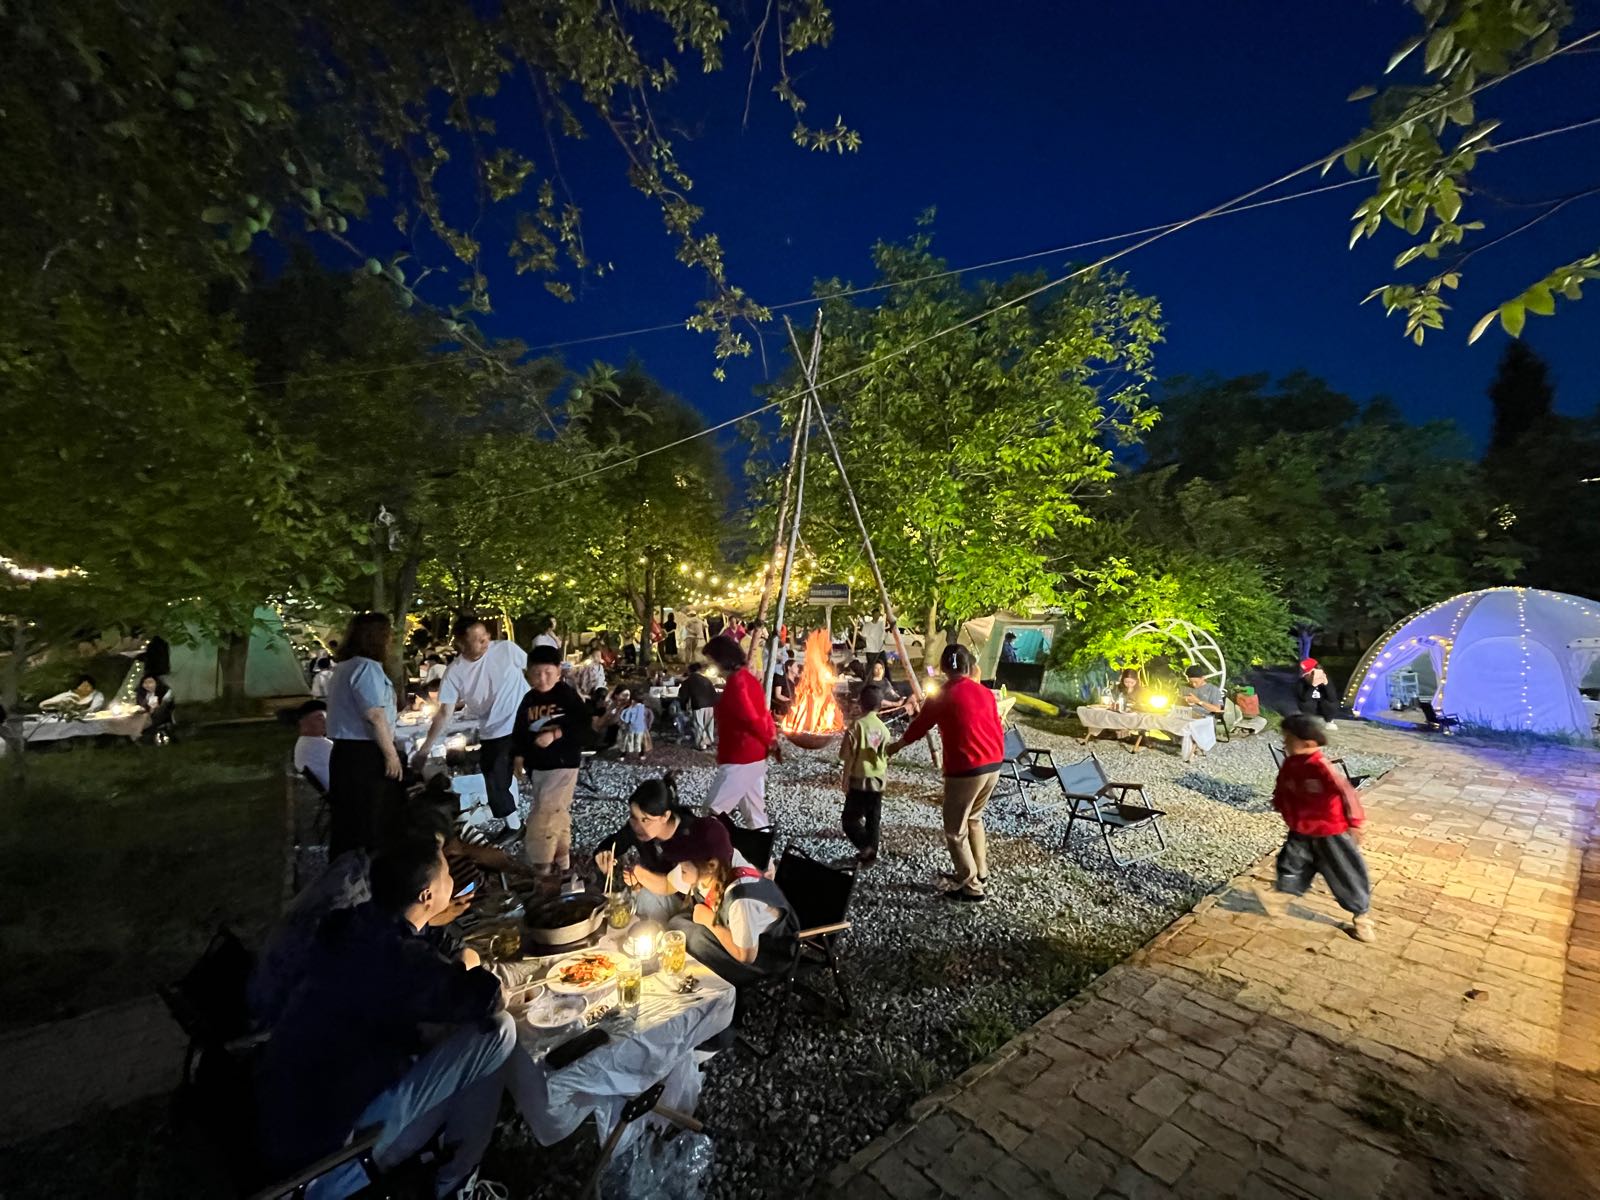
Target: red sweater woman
746	736
969	726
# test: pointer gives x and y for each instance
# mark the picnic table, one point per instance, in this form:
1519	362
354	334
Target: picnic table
654	1045
32	730
1194	731
411	728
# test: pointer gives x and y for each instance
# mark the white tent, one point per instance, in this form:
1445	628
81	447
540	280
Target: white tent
1507	658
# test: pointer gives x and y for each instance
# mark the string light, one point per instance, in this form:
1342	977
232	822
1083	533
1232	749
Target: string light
33	574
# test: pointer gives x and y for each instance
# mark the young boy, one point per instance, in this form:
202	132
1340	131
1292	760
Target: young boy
634	719
1324	818
865	755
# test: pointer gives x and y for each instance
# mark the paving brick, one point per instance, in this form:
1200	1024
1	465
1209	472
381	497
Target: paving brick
1167	1153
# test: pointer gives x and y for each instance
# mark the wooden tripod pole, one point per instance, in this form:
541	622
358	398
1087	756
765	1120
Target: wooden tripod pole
783	510
794	538
855	509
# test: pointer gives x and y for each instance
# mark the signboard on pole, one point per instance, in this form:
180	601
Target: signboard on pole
826	595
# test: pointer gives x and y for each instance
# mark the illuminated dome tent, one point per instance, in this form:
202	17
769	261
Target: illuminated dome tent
1508	658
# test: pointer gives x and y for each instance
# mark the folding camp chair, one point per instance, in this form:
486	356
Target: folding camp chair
754	844
1093	797
1028	767
1435	721
1278	756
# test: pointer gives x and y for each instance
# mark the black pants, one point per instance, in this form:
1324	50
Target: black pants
1337	859
494	758
863	811
774	954
358	790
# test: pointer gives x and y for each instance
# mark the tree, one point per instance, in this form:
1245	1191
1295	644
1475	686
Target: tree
969	454
1522	397
1425	140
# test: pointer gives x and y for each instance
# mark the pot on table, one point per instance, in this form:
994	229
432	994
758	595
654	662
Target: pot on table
563	920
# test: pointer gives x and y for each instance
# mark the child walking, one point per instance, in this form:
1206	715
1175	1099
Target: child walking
865	755
1324	818
635	719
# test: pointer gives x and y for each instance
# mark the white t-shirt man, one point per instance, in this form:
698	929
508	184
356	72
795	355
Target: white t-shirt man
492	687
312	754
872	634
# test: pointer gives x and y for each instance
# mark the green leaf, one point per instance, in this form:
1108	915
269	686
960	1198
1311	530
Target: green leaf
1362	93
215	214
1539	300
374	267
1483	323
183	99
1405	51
1512	316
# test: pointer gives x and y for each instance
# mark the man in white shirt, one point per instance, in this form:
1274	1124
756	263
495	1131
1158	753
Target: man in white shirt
83	699
691	635
488	678
873	632
547	634
313	748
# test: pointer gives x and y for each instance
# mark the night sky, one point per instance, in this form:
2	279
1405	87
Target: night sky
1034	125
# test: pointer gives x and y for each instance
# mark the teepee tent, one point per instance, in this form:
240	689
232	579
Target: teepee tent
271	668
1507	658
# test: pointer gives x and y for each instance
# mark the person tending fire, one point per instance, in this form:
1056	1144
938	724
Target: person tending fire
746	737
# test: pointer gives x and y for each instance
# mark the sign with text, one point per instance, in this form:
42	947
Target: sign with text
824	594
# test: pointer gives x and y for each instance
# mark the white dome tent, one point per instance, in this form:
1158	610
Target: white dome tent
1507	658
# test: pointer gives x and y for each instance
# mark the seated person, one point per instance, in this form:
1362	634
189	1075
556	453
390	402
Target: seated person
1201	693
83	699
415	702
361	1043
741	925
432	670
313	748
151	694
784	683
1128	692
666	837
894	694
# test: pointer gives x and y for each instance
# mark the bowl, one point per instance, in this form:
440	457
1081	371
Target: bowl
550	1013
810	741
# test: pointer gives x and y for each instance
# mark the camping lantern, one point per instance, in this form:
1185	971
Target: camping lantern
643	944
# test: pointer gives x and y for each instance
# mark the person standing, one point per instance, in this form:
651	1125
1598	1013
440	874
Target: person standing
547	749
547	635
865	755
873	632
364	768
1314	693
693	633
487	678
974	745
699	696
669	636
746	736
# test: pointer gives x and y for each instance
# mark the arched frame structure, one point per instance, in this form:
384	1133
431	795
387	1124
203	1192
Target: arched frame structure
1195	642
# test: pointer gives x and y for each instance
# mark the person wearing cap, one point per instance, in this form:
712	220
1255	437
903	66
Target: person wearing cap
313	747
487	679
1201	692
1314	694
547	739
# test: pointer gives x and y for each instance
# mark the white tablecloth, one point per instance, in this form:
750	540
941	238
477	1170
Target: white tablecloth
33	730
654	1046
1192	731
664	693
408	734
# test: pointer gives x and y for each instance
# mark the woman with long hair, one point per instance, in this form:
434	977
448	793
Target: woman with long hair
746	736
974	745
741	925
364	767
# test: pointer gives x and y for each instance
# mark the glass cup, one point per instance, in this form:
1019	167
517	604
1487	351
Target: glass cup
674	952
630	982
507	943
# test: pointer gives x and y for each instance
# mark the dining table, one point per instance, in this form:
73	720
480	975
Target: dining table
34	729
652	1042
1195	729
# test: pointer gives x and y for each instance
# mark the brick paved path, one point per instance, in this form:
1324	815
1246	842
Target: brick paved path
1238	1056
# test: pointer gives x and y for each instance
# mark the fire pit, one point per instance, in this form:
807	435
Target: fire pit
814	720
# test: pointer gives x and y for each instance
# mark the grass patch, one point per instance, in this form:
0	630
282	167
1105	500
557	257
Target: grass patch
121	861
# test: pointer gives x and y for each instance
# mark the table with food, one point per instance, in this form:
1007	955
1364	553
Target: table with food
603	1022
410	728
1194	728
33	730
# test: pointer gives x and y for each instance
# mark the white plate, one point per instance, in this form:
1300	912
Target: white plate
555	1012
553	976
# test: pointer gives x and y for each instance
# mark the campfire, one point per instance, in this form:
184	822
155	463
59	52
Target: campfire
815	717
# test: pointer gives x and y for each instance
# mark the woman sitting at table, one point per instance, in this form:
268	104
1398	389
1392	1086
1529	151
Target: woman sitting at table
1128	692
741	925
666	836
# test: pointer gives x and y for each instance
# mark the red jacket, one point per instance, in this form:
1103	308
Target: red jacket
1315	800
744	724
969	725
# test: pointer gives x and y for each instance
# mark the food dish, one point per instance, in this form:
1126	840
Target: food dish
584	973
551	1011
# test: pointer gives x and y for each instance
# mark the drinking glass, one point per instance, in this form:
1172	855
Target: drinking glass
674	952
507	943
630	981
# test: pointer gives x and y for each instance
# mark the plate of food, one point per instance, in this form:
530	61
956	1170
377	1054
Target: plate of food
584	973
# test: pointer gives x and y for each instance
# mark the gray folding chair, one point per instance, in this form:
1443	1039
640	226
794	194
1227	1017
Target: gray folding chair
1115	809
1027	767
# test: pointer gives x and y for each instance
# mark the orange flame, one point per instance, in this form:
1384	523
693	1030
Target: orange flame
814	709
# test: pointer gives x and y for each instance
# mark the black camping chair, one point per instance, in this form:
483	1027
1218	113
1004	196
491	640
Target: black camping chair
1278	757
1027	767
754	844
1115	809
217	1093
1435	721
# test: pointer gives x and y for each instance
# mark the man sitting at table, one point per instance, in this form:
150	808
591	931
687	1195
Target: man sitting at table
386	1030
83	699
1201	692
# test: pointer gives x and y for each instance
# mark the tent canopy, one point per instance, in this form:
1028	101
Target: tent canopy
984	636
271	668
1506	658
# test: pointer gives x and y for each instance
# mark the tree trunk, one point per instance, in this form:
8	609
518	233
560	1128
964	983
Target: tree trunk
932	644
235	654
379	590
11	686
645	645
405	585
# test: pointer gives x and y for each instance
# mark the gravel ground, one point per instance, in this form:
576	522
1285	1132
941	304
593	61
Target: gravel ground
936	986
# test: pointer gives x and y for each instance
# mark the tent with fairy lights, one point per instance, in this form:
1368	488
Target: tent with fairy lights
1505	658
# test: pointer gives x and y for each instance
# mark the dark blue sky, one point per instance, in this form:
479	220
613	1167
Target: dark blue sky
1035	124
